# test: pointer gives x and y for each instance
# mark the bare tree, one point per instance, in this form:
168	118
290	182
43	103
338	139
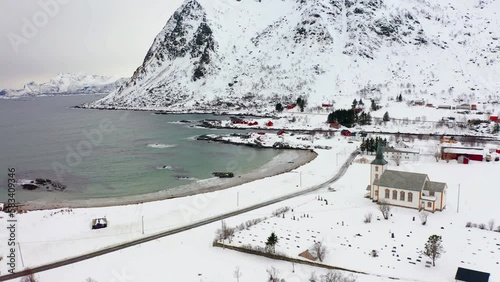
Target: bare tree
319	251
423	217
225	232
437	156
491	224
336	276
273	274
397	159
385	208
30	277
313	277
237	273
90	279
368	217
433	248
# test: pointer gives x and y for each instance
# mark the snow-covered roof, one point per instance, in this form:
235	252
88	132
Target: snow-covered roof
435	186
401	150
429	198
402	180
470	151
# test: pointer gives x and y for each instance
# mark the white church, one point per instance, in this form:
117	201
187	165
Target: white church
405	189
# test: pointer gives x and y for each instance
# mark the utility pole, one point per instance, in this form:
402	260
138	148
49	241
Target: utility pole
142	225
20	253
458	201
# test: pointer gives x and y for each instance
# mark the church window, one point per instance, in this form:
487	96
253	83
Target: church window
410	197
394	195
387	193
402	196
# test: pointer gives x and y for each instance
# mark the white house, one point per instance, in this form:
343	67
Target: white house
406	189
401	154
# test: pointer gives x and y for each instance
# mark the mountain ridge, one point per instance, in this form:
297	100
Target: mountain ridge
67	84
234	55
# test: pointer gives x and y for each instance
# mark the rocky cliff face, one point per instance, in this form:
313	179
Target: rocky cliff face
247	54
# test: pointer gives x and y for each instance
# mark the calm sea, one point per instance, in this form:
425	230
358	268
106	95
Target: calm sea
99	154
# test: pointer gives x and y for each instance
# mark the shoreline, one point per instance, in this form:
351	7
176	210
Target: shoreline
286	161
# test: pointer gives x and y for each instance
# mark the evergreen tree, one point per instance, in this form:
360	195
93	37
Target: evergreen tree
354	104
496	128
374	105
342	116
301	103
433	248
386	117
279	107
361	102
271	242
362	147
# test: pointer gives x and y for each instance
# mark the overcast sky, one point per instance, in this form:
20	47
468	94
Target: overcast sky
105	37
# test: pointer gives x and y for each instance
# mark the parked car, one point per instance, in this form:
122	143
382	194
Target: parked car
98	223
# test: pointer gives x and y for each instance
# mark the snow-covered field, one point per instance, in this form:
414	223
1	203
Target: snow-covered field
337	220
53	235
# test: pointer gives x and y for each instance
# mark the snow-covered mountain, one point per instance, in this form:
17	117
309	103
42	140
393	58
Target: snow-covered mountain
66	84
237	54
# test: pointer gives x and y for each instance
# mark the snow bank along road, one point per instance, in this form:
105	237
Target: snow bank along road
53	265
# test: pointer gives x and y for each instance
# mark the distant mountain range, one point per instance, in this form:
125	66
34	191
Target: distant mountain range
67	84
244	54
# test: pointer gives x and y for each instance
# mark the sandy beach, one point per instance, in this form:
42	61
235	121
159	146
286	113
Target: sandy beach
286	161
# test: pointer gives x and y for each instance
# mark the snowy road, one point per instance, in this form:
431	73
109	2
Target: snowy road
76	259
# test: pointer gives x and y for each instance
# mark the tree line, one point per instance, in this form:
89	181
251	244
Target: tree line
370	144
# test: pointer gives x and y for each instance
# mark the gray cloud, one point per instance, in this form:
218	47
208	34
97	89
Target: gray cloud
39	39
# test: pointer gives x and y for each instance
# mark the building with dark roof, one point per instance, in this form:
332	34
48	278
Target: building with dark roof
406	189
469	275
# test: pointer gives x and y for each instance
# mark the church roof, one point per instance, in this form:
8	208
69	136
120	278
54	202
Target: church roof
435	186
379	159
402	180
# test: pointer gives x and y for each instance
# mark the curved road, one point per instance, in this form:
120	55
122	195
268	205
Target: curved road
108	250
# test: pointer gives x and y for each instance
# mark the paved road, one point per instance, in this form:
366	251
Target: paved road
108	250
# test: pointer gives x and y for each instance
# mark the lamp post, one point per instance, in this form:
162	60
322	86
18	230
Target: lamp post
300	177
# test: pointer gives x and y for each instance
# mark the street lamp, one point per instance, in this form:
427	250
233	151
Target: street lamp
300	177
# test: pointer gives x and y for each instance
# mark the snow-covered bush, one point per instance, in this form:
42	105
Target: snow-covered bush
491	224
336	276
468	224
368	217
482	226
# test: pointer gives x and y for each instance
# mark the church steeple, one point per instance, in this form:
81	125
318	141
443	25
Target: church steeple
379	158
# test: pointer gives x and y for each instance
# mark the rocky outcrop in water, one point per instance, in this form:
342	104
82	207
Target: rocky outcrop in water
44	185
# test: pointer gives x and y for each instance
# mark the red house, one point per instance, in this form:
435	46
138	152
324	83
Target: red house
261	133
493	118
454	153
289	107
281	132
335	125
326	105
345	132
269	123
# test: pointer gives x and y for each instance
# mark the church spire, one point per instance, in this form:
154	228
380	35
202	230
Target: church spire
379	158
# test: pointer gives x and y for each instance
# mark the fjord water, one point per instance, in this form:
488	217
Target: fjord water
45	138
